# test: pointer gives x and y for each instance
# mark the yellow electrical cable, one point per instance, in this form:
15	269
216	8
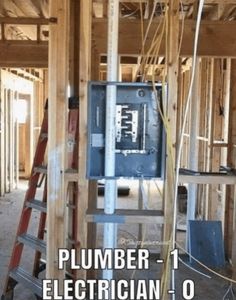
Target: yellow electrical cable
144	57
158	189
166	270
150	21
156	42
147	60
155	45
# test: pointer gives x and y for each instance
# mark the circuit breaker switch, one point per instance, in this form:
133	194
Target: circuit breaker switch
130	124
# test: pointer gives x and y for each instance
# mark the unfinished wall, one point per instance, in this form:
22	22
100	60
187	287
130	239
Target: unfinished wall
21	114
215	141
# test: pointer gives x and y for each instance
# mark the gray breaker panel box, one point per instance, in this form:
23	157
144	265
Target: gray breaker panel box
139	131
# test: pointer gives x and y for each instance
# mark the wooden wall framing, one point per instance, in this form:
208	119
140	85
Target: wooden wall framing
57	130
213	130
13	88
216	137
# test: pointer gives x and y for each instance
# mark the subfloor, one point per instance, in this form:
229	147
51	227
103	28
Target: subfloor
10	208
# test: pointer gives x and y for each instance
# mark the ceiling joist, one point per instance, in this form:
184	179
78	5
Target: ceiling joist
24	21
19	54
217	39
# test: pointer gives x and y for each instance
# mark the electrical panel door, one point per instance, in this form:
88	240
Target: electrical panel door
139	130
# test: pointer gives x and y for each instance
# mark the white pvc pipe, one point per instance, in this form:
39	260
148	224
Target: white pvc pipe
110	235
193	151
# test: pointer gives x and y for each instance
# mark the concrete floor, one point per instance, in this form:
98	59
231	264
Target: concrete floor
10	207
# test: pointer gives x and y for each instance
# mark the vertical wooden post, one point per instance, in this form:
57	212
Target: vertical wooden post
28	141
210	131
172	58
202	133
57	111
172	81
45	85
11	141
193	148
6	120
16	146
93	191
31	130
216	134
84	77
2	138
225	132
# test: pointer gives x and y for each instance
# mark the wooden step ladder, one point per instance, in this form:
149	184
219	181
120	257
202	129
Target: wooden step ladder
16	274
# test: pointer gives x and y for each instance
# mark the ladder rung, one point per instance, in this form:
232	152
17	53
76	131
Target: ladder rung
71	206
37	204
127	216
71	241
43	261
33	242
72	175
23	277
41	169
44	135
69	275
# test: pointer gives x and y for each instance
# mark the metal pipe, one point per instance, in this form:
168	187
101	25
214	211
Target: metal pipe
110	235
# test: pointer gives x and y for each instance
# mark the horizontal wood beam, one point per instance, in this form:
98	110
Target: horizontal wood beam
208	179
22	54
24	21
127	216
130	60
185	2
216	40
216	37
25	73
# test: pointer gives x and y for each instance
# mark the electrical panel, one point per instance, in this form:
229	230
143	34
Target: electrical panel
139	131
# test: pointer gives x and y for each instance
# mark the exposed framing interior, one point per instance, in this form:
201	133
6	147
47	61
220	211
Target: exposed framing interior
69	39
